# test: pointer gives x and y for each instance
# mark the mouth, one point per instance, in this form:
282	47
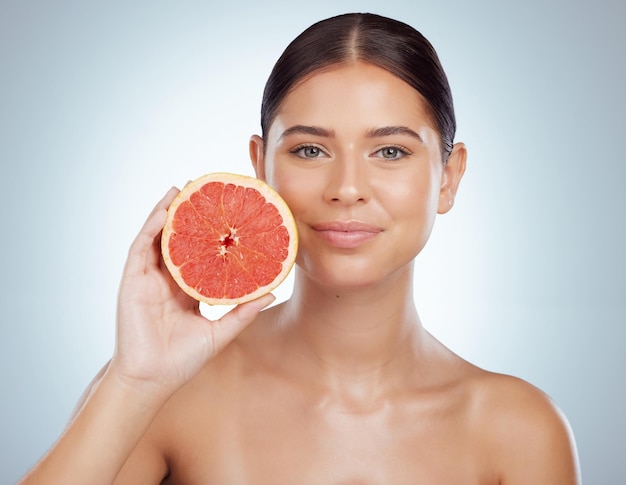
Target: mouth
346	235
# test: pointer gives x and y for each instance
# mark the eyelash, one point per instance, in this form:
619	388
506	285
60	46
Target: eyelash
302	147
402	152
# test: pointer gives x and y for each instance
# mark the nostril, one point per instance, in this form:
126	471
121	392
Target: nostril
348	184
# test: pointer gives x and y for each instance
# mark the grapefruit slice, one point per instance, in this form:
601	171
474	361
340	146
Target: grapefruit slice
228	239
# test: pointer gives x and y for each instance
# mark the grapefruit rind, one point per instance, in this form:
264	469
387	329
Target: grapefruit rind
210	241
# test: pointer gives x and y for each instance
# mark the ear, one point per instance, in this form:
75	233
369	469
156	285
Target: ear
257	157
451	178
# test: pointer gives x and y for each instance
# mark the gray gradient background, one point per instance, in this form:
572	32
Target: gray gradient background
104	107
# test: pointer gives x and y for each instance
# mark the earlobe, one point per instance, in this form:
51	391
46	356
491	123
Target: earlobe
257	156
451	177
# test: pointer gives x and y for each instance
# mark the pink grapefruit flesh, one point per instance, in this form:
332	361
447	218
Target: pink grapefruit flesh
228	239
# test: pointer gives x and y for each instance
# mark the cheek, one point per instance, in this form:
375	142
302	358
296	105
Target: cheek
412	206
410	197
296	190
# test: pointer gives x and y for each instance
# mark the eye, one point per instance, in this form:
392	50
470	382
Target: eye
308	151
392	153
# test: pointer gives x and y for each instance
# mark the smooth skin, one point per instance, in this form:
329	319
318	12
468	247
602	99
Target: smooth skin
341	384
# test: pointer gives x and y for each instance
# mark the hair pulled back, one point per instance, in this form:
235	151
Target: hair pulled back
381	41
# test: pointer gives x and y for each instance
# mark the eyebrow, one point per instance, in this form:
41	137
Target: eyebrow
393	130
373	133
307	130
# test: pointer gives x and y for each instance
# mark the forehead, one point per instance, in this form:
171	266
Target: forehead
353	93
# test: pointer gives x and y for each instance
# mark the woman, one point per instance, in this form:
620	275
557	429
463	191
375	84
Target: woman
341	383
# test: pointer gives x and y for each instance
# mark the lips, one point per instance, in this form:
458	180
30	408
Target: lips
346	235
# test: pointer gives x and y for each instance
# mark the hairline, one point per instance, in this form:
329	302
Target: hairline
353	60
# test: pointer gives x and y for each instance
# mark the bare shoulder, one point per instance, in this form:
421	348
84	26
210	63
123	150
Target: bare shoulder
524	430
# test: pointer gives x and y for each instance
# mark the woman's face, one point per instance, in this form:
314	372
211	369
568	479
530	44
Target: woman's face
355	156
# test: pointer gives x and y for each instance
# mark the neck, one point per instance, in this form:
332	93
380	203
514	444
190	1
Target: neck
364	335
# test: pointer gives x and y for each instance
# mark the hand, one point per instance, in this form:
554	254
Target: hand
162	339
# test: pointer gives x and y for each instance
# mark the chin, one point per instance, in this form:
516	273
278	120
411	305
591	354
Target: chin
356	274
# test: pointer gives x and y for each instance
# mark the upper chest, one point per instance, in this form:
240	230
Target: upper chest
278	434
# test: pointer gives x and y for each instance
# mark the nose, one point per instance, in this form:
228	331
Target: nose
348	181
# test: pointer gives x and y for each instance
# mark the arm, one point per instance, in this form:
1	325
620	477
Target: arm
162	341
101	436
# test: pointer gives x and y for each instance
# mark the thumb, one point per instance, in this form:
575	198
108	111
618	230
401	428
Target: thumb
235	321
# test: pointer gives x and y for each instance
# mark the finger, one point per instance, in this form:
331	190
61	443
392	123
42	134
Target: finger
143	252
230	325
